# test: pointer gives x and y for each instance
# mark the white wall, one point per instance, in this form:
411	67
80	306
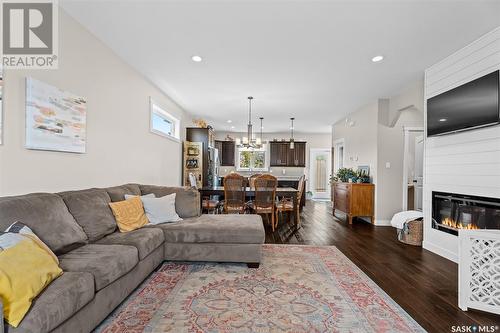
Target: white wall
377	138
467	162
405	110
360	140
120	147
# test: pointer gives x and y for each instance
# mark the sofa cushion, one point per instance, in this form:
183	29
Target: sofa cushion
106	262
91	211
145	240
236	229
117	193
187	200
48	217
58	302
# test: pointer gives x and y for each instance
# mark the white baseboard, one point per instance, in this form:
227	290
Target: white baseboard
382	222
440	251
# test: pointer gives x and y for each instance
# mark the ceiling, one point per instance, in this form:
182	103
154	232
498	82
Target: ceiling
307	59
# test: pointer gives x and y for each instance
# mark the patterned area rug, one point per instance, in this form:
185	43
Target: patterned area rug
296	289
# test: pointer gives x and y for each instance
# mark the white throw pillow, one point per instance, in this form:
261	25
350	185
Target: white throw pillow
160	210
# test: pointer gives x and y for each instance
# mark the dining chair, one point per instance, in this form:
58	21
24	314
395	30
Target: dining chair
234	194
265	194
251	180
285	205
207	204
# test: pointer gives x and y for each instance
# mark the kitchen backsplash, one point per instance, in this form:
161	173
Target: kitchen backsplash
276	171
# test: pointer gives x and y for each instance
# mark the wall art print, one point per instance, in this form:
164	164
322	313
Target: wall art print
56	120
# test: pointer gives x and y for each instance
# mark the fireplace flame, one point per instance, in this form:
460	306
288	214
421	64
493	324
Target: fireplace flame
452	223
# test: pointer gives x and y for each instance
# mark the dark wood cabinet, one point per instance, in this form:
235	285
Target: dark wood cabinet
226	152
297	156
279	153
282	155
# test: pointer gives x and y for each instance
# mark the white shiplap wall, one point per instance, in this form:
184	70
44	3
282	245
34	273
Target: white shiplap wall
467	162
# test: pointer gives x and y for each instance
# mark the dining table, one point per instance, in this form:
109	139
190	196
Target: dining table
288	192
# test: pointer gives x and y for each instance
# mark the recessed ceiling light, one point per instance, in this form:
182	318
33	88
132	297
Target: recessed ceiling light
196	58
378	58
229	121
443	119
232	127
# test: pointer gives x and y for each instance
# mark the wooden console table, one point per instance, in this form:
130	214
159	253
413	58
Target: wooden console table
354	200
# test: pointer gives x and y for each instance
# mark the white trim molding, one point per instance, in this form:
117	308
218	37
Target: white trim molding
406	149
382	223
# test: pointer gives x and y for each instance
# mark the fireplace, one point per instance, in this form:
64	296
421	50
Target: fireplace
451	212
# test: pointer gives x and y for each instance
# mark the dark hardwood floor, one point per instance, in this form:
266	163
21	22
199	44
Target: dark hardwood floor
421	282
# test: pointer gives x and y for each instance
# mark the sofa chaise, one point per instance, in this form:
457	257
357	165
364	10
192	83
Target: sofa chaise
101	265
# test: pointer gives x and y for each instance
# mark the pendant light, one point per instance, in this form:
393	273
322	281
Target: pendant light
259	141
249	141
292	142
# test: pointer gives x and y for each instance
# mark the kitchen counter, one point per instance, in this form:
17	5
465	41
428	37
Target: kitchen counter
292	178
284	181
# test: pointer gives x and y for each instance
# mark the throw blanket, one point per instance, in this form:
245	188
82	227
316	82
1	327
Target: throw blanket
399	219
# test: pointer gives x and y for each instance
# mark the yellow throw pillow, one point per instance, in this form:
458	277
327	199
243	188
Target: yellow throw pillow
129	214
27	266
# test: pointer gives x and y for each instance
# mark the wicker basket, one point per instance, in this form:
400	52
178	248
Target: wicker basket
413	233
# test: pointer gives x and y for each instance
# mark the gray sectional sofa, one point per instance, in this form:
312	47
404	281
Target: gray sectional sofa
103	266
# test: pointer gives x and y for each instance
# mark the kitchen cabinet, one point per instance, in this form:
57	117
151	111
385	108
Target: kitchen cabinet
226	152
297	156
282	156
278	153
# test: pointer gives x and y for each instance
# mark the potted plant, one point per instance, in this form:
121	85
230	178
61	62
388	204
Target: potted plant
362	176
344	174
309	195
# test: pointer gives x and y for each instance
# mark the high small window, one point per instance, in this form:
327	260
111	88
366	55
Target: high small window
163	123
252	160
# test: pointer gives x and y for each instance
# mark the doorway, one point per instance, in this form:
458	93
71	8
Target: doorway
319	173
413	168
338	152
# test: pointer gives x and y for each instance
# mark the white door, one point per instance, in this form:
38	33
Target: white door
319	173
418	181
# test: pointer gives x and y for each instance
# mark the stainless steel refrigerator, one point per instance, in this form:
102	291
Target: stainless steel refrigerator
213	167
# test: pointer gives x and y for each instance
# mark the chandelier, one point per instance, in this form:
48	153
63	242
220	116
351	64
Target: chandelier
249	141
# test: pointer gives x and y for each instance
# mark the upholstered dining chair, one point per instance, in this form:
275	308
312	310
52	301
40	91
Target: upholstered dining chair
285	205
265	194
207	204
234	194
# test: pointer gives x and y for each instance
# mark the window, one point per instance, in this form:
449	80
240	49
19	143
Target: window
252	159
163	123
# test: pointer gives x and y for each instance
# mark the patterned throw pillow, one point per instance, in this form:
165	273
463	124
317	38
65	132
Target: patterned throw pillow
27	266
129	214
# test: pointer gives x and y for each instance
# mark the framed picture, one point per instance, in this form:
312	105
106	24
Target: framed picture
56	120
365	169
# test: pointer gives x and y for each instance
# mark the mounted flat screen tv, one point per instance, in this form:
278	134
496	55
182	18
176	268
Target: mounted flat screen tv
472	105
